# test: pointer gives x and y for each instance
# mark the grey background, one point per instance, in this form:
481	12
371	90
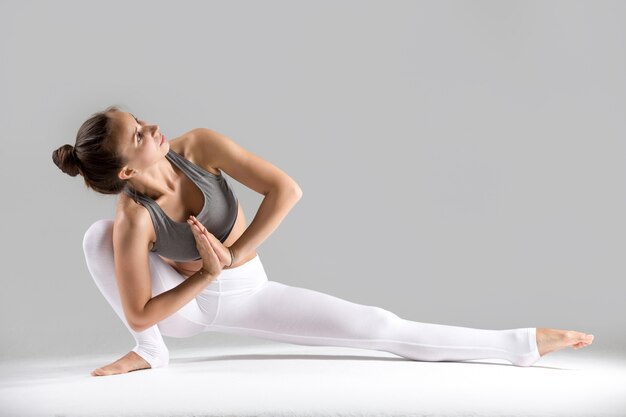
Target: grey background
462	163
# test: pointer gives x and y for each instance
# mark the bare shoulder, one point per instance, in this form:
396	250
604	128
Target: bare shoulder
133	217
195	150
130	214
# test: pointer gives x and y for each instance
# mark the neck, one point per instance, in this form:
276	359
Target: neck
156	181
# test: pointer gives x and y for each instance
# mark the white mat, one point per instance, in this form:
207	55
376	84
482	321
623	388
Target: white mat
292	380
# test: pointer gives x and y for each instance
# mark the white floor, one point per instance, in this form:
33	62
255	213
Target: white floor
280	379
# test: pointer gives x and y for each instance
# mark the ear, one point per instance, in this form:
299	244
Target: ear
126	173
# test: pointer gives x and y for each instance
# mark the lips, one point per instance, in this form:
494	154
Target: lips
162	139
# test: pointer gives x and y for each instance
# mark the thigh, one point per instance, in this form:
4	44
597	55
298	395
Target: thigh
280	309
193	317
99	256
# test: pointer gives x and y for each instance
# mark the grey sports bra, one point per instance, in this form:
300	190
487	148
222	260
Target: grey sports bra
175	240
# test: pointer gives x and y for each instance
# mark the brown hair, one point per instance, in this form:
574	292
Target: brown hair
94	155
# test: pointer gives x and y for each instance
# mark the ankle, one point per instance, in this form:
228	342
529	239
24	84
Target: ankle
157	358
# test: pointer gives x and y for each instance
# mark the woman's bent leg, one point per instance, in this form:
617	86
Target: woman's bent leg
188	321
302	316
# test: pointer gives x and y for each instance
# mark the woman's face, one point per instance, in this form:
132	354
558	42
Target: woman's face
140	143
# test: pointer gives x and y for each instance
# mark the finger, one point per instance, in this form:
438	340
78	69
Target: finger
201	239
196	232
202	228
209	242
194	222
212	253
197	229
211	237
212	240
199	235
200	225
194	229
200	232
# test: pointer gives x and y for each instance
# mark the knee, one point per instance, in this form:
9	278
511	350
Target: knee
99	234
381	322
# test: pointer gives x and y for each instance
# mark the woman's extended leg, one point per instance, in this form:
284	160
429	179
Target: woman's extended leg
276	311
188	321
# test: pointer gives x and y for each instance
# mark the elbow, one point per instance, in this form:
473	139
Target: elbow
295	189
298	192
290	189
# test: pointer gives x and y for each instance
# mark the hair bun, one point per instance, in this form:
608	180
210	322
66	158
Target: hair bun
65	158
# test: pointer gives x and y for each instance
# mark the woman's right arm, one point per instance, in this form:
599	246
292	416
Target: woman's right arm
131	241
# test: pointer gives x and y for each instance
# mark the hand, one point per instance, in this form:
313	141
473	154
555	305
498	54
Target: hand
221	251
210	261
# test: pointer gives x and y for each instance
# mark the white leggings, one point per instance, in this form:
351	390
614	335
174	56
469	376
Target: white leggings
242	300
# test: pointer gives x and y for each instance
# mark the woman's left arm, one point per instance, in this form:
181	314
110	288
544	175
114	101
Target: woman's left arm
280	190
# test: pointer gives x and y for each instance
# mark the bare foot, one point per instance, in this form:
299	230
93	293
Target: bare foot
551	340
129	362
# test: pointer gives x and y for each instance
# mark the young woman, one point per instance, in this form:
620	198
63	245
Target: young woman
179	258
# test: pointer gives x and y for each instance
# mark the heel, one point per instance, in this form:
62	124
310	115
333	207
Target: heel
528	359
